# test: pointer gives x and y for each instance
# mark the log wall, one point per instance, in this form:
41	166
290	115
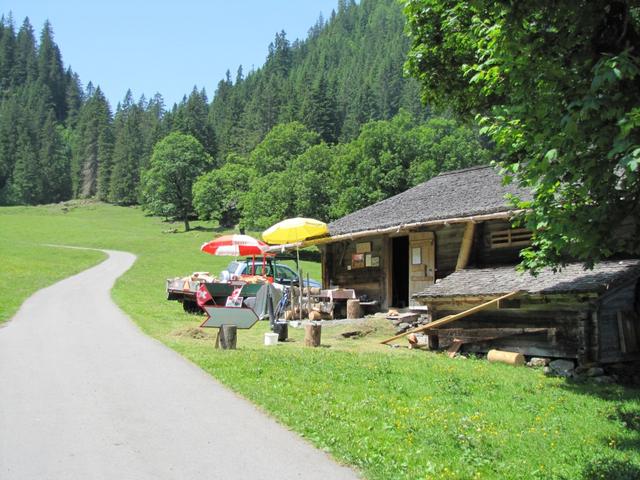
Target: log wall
486	255
340	271
448	241
617	326
560	339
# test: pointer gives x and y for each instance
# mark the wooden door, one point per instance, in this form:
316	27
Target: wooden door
421	262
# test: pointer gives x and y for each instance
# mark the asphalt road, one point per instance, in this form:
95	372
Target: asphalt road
85	395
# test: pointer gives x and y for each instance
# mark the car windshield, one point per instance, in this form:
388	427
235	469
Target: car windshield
285	272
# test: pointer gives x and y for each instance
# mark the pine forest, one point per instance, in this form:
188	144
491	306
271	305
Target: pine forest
327	125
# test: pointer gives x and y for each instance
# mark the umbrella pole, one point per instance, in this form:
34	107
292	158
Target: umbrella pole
299	278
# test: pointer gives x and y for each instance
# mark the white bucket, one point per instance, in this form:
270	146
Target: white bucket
270	338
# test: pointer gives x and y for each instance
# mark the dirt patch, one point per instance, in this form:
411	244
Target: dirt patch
194	333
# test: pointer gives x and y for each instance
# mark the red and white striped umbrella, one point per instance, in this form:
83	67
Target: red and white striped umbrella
235	245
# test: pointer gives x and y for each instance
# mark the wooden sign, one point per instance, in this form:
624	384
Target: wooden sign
364	247
240	317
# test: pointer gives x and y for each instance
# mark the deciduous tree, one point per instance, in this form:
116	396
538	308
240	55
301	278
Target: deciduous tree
556	85
176	162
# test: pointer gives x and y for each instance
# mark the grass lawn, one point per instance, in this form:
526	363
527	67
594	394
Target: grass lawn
391	413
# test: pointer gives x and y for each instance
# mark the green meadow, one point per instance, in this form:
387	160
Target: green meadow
390	413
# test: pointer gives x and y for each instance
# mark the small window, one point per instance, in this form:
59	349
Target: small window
516	237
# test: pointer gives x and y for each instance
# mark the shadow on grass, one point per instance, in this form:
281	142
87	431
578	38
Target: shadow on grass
200	228
606	392
626	414
610	468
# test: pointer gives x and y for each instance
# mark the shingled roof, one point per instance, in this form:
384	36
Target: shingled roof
499	280
462	193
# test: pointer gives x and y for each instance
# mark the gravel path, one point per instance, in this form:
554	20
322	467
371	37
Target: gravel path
85	395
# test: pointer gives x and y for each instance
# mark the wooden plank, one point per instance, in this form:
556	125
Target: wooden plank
465	246
454	348
487	334
621	336
453	318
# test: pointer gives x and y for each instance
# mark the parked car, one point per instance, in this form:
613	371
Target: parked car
282	274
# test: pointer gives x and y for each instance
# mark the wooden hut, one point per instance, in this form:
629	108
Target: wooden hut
448	244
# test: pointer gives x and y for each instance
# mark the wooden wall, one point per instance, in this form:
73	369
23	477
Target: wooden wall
367	280
561	330
586	327
448	240
375	281
487	256
617	328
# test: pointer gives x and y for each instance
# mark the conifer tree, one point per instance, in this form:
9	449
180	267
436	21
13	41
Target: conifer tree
128	151
74	97
192	118
54	162
50	70
92	146
7	51
320	112
25	66
26	182
9	118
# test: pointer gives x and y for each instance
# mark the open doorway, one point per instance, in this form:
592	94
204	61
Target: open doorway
400	272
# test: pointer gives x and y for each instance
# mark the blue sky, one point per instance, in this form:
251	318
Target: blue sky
163	46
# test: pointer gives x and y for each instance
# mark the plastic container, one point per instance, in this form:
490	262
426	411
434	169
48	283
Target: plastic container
270	338
282	329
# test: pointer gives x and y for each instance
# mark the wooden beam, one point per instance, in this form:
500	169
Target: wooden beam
401	229
453	318
465	246
454	348
478	335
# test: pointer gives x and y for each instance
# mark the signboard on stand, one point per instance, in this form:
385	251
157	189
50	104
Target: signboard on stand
241	317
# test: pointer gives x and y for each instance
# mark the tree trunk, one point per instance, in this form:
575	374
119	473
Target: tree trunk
186	222
228	337
312	335
353	309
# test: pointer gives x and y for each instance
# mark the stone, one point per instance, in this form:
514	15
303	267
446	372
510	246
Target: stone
580	369
595	372
538	362
564	368
547	370
402	327
604	380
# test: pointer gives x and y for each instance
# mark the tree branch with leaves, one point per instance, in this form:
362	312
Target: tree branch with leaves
556	85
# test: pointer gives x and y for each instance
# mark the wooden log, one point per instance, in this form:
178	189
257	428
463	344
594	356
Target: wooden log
474	335
312	334
315	315
510	358
228	337
354	310
452	318
465	247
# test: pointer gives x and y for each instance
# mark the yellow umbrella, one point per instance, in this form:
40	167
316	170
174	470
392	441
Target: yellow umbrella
294	230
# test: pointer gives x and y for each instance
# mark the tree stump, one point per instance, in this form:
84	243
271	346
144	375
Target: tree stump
312	335
354	310
227	337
